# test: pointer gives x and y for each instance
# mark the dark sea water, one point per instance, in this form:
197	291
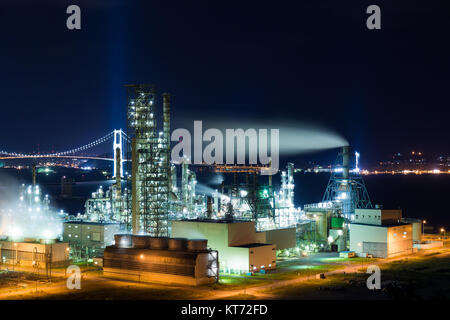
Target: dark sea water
419	196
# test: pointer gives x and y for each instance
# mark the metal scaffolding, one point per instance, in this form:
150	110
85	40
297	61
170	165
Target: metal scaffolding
346	187
150	165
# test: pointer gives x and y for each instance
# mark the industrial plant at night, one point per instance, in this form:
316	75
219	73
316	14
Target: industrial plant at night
191	152
151	226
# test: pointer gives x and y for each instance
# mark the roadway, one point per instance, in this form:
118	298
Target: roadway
92	280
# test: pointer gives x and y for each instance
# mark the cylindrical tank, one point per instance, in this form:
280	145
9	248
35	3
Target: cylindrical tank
177	243
197	244
140	241
123	240
158	243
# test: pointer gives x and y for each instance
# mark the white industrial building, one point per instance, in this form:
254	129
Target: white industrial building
377	216
88	239
240	247
380	233
34	252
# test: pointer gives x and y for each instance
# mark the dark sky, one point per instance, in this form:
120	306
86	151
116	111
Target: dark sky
299	61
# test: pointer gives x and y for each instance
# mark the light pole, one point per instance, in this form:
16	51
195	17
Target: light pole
423	226
442	233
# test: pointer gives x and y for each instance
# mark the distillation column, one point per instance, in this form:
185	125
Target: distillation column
150	163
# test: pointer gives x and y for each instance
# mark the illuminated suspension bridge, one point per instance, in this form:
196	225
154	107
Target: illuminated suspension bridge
118	137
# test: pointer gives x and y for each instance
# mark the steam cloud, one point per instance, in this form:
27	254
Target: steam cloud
295	138
24	213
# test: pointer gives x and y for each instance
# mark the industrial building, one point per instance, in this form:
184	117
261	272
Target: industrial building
35	253
163	260
88	239
240	247
246	221
252	200
327	225
30	231
381	241
417	228
377	216
155	196
150	163
380	233
346	187
109	205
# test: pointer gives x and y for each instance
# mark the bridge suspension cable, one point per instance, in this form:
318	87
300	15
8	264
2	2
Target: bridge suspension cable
67	152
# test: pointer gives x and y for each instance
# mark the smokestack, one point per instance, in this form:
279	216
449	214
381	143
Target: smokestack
34	175
166	136
345	161
209	207
166	118
184	180
135	217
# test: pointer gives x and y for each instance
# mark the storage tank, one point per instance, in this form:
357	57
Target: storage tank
123	240
177	243
158	243
197	244
141	242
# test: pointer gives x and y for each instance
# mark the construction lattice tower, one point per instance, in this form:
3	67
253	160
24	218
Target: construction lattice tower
150	164
346	187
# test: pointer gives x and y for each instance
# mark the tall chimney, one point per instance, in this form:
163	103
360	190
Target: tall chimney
135	217
345	161
166	118
166	136
209	207
34	175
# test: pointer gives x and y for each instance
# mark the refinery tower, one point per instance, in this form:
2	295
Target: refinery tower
150	164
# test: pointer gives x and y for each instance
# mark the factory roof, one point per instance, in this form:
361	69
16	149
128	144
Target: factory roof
155	252
214	220
89	222
252	245
389	225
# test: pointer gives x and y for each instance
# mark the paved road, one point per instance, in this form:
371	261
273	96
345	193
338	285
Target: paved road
45	289
353	268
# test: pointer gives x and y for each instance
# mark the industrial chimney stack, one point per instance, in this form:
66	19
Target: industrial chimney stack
345	161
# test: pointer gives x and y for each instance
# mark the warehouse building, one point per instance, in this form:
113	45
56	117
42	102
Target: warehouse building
89	238
163	260
240	247
35	253
380	233
377	216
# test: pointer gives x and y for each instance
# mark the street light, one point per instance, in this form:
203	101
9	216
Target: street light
423	226
442	231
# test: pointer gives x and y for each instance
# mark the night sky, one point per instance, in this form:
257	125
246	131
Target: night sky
299	61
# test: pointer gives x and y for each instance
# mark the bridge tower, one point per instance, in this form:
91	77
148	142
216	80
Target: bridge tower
118	155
